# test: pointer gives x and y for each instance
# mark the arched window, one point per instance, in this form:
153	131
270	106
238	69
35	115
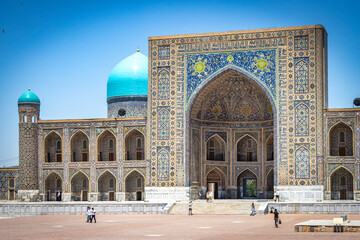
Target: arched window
341	140
25	118
11	183
58	183
58	145
343	181
111	144
247	149
342	137
139	143
138	182
215	149
84	183
84	144
111	182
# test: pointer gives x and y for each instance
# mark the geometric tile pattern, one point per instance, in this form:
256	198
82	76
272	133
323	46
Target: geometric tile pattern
164	52
301	43
301	120
163	131
164	85
302	163
4	178
301	77
258	63
162	164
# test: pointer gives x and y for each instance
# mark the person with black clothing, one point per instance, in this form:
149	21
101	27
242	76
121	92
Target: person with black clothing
276	218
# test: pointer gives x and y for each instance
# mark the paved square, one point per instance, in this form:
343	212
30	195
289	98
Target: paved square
164	227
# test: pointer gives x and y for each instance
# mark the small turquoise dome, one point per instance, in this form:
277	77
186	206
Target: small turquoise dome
29	97
129	77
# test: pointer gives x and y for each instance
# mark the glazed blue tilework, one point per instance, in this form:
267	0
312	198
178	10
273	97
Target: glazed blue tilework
163	159
260	64
302	163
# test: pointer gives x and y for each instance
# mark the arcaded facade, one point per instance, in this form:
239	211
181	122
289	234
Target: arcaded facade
242	113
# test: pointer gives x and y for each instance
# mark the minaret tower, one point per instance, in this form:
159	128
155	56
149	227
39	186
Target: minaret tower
29	111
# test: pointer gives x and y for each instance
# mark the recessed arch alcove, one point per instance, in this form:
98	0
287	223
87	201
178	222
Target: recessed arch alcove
235	111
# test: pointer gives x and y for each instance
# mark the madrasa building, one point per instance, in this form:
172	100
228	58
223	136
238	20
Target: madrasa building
242	113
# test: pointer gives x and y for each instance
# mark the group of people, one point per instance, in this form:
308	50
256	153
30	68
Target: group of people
209	196
90	213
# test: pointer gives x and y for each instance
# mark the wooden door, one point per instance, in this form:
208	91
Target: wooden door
84	195
84	157
48	195
342	194
111	156
11	194
138	196
342	151
111	196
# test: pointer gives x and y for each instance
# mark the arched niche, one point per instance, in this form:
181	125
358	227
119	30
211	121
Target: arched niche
216	182
107	186
341	140
342	184
106	146
134	145
53	187
215	149
270	148
79	187
247	184
270	184
53	148
79	147
246	149
134	186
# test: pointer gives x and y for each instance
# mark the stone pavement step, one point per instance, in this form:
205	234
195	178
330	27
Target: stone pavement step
214	208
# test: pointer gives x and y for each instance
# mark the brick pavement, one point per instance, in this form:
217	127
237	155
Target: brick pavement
164	227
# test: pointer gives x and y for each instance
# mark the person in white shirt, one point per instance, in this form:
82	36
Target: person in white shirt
88	214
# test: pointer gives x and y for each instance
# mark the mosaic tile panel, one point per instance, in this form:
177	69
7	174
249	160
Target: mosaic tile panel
302	163
301	120
163	126
260	64
301	43
164	52
163	158
301	76
163	85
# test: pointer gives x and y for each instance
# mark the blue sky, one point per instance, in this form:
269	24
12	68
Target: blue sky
65	50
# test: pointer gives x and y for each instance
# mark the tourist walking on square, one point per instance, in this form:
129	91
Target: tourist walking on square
190	207
88	214
276	218
211	195
253	210
93	212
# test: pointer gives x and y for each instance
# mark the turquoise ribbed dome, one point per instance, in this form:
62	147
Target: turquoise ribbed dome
29	97
129	77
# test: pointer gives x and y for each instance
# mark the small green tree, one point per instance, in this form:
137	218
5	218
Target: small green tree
251	188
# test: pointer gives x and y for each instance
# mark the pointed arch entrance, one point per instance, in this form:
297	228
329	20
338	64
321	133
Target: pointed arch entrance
107	186
79	187
215	181
234	112
53	187
134	186
342	185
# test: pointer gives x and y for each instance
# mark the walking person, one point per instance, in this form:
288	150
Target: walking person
207	195
211	195
88	214
93	212
276	218
190	207
253	210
